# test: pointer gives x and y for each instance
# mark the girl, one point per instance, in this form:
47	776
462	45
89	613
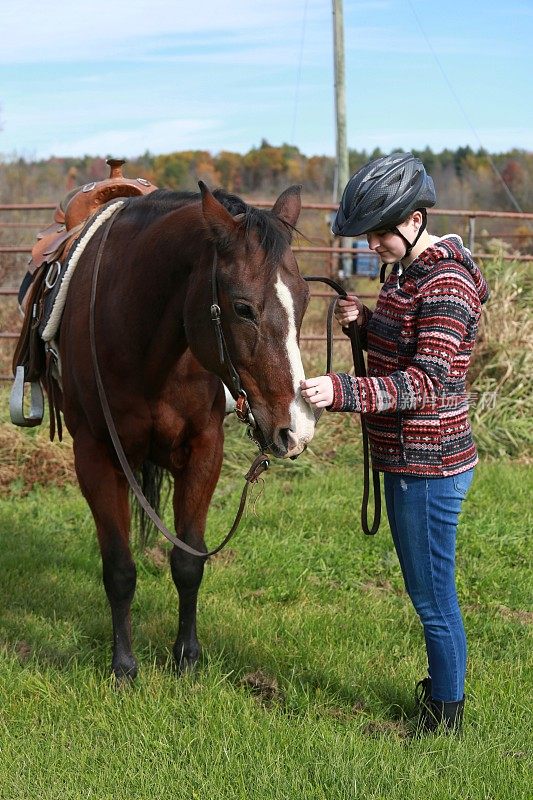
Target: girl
419	340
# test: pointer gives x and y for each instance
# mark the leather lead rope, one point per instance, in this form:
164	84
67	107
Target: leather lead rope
360	371
258	466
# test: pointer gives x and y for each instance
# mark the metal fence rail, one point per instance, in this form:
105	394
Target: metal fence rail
465	214
335	253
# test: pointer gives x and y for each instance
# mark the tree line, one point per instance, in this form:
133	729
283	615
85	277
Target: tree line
464	178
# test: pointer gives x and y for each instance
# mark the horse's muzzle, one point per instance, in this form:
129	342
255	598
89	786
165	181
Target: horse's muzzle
286	444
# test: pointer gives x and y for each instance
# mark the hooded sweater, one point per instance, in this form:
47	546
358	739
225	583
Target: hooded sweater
419	339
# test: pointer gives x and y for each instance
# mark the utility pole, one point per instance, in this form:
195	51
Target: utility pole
342	168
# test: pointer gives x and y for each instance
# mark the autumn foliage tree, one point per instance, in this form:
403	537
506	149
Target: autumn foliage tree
464	178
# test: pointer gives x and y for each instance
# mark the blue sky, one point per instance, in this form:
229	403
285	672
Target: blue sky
125	76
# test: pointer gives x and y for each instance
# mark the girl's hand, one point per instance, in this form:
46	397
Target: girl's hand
349	310
318	392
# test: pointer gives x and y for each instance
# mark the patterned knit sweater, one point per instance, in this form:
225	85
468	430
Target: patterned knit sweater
419	340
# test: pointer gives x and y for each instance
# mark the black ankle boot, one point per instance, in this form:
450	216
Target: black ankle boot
436	714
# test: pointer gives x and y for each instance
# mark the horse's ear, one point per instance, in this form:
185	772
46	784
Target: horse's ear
219	221
288	205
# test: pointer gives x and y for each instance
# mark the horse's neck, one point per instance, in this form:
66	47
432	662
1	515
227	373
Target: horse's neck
179	241
175	253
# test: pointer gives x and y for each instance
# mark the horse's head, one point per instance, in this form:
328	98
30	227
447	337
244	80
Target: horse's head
262	298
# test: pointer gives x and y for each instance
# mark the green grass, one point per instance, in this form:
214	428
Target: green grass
311	651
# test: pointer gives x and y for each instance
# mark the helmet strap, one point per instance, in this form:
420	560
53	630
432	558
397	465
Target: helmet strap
409	245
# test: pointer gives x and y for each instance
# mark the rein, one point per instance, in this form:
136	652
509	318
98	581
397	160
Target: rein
259	464
360	371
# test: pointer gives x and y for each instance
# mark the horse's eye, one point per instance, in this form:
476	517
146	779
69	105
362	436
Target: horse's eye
245	311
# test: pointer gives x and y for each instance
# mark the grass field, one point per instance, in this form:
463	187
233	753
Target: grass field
311	651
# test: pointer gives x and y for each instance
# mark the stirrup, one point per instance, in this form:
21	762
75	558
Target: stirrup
16	402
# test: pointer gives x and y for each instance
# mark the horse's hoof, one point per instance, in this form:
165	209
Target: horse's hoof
186	657
124	671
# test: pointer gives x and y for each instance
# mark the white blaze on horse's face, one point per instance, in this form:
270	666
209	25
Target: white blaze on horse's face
302	421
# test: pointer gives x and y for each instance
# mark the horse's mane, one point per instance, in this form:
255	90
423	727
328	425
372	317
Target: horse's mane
274	234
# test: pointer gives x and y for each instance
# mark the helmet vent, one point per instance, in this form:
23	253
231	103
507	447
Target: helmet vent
379	203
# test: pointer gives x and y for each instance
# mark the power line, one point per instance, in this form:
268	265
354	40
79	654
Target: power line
507	190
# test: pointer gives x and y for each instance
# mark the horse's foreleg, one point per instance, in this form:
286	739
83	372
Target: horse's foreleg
193	489
105	489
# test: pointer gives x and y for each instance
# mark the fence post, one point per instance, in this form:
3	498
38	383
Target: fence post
471	233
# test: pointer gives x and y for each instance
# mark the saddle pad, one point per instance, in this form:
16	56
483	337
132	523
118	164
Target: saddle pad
57	297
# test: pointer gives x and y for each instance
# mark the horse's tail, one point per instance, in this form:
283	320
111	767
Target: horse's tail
153	480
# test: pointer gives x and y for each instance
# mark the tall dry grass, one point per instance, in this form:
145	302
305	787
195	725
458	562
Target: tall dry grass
501	375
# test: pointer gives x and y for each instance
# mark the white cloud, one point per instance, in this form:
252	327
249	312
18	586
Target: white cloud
162	136
100	30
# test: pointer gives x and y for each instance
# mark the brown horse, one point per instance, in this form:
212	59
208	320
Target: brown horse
161	368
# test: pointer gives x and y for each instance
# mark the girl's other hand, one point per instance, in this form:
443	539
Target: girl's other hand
349	310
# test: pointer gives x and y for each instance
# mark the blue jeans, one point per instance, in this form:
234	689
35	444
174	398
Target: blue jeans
423	515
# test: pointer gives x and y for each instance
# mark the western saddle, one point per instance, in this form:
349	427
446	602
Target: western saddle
33	359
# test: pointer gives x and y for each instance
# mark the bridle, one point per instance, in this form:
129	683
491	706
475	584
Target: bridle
242	407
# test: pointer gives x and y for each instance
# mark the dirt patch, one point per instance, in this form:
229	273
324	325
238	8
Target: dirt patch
23	651
518	754
511	614
157	555
256	594
385	728
263	687
223	558
379	586
517	615
346	714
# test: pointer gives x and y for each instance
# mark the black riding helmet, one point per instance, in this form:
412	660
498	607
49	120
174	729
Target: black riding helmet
382	194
